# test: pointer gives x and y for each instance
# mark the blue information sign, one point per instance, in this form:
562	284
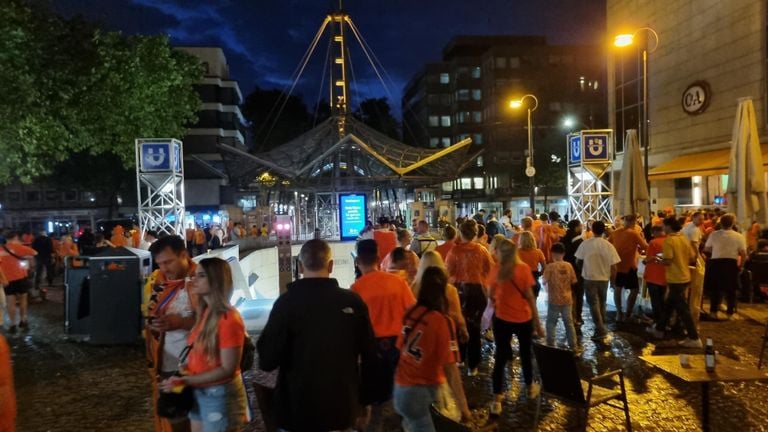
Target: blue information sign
155	156
574	148
352	214
595	146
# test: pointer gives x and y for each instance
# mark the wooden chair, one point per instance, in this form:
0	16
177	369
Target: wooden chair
560	379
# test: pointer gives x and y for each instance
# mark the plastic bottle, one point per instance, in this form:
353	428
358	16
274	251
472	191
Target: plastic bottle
709	356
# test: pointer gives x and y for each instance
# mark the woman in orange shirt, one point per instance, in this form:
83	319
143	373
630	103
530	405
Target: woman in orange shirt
516	314
433	259
213	365
533	257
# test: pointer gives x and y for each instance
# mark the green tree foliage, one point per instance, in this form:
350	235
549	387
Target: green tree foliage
376	113
70	89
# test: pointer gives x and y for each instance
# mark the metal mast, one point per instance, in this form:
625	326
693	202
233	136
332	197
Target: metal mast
339	85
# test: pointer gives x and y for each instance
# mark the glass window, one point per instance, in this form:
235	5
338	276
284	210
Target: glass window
477	94
478	181
462	94
466	183
464	117
477	116
476	72
445	99
501	62
14	196
446	141
480	161
434	142
448	187
445	121
70	195
33	196
514	62
445	78
433	99
434	121
52	195
477	138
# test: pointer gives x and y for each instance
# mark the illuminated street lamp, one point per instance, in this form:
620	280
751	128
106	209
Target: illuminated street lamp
572	122
530	171
627	39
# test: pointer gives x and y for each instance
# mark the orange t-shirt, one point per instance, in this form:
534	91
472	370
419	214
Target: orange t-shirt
12	267
511	305
655	273
431	345
468	263
67	249
627	242
387	296
386	240
199	237
444	248
532	257
231	334
7	394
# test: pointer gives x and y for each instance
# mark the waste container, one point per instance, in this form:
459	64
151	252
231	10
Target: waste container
103	295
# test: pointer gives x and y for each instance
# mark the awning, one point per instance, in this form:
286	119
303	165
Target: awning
698	164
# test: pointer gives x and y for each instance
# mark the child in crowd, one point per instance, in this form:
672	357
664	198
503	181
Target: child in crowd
558	277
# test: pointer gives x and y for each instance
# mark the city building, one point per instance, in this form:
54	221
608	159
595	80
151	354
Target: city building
468	94
707	55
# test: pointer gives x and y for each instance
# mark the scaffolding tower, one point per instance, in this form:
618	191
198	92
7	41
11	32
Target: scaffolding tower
590	192
160	185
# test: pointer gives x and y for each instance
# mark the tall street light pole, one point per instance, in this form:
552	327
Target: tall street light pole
530	171
627	39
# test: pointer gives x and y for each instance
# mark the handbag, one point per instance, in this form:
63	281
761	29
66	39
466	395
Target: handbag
175	405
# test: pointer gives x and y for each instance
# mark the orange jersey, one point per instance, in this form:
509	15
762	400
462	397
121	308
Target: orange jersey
468	263
7	394
431	344
386	241
627	242
13	268
387	296
67	249
655	272
231	334
511	305
444	248
532	258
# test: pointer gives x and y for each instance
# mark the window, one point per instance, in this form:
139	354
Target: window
466	183
33	196
477	94
446	141
445	100
448	187
462	71
501	62
434	142
434	121
464	117
514	62
52	195
480	161
477	116
433	99
462	94
476	72
478	181
14	196
629	104
477	138
70	195
445	78
445	121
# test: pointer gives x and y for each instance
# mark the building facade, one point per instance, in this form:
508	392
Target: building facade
708	54
468	93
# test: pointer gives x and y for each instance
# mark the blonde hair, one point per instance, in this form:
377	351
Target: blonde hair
527	241
495	242
508	259
428	259
220	286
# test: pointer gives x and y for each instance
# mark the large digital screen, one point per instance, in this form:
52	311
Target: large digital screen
352	214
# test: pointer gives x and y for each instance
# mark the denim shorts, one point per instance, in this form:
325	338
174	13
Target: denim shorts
221	407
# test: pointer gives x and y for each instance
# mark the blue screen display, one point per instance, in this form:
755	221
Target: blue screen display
352	209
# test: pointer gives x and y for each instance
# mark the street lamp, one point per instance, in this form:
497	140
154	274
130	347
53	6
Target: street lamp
572	122
530	171
627	39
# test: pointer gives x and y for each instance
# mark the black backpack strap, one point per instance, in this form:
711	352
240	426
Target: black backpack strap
406	328
12	254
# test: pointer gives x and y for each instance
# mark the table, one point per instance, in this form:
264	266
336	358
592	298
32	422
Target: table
726	370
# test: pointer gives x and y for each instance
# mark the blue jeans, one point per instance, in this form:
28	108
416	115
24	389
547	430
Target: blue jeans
412	403
596	296
553	313
221	407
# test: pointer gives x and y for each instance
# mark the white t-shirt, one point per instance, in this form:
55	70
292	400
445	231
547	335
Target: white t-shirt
598	255
176	340
692	232
726	243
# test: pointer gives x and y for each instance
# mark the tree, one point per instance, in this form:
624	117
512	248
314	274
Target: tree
275	119
376	113
72	89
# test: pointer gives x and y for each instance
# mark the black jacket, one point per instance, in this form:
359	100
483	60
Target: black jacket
316	334
571	240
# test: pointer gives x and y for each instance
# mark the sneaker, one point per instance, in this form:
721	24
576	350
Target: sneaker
473	372
13	329
533	390
691	343
655	333
495	408
23	324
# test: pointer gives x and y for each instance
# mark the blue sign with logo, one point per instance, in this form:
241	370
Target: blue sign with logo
595	146
574	149
156	156
352	215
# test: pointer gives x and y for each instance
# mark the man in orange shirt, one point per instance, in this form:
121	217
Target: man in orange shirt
14	263
388	297
628	242
655	272
449	232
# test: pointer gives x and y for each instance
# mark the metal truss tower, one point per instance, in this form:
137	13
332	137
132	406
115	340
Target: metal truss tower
160	185
590	192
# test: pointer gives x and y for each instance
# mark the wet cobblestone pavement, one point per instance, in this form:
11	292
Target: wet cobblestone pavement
65	386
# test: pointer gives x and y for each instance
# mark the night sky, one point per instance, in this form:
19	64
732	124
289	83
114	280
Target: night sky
265	39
